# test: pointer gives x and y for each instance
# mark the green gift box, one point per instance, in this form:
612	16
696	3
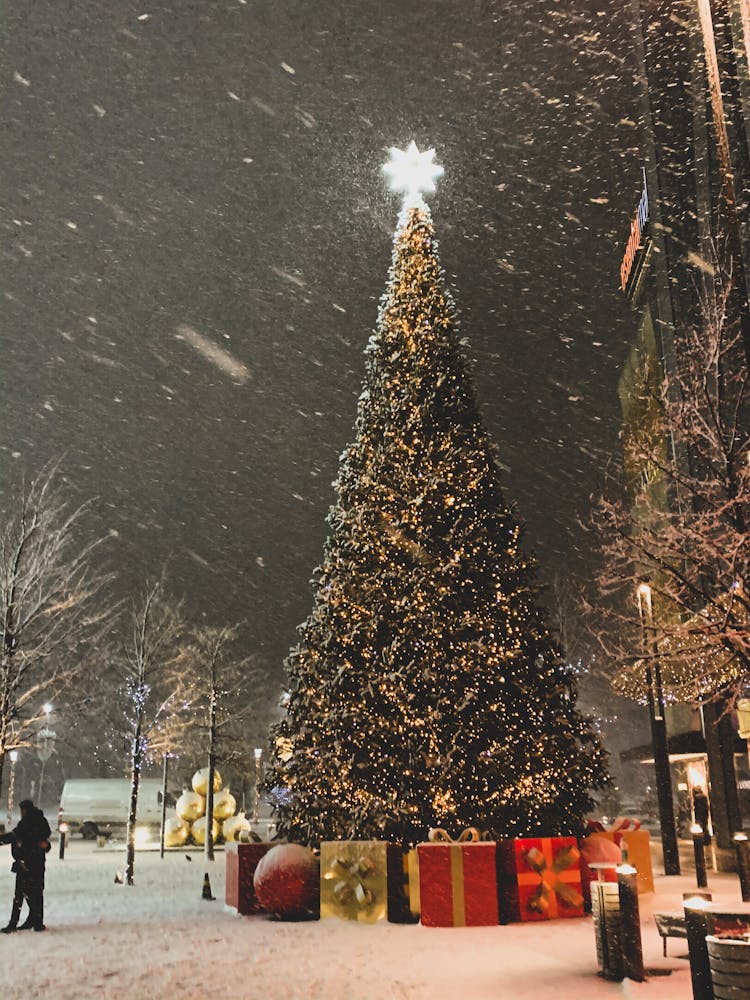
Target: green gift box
363	880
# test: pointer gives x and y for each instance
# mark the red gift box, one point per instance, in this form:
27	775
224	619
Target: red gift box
457	884
539	879
242	860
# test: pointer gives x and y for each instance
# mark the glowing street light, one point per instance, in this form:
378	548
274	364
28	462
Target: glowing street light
45	746
646	612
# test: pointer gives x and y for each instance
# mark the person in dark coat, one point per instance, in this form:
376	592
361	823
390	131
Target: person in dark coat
701	812
29	846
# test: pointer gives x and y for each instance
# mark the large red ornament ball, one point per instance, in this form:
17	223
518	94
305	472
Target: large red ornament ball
287	882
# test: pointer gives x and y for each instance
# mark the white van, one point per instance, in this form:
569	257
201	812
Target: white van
100	806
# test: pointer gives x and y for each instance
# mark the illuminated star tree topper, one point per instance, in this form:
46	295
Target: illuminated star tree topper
412	174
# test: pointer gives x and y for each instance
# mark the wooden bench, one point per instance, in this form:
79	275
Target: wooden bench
670	925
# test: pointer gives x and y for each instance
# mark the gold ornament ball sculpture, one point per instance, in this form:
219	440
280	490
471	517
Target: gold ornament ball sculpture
176	832
200	781
199	831
225	805
190	806
233	827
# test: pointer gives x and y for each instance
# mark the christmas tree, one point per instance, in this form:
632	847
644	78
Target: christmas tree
425	689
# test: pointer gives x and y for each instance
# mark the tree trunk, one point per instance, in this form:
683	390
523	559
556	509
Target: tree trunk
211	769
209	843
134	783
163	824
4	726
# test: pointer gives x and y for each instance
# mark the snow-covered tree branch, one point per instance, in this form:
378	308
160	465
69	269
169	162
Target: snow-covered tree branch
49	605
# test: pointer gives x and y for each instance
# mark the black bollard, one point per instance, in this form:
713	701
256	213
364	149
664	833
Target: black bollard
696	928
630	923
699	851
743	864
63	839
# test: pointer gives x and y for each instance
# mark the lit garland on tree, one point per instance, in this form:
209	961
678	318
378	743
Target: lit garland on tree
425	689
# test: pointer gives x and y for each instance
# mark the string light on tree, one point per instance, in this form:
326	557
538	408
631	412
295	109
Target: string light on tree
425	689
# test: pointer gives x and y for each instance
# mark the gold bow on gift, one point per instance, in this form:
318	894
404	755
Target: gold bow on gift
470	835
552	875
351	884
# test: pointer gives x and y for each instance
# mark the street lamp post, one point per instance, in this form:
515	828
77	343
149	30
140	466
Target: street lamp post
258	775
45	745
655	695
163	824
12	784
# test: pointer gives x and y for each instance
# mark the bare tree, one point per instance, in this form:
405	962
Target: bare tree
93	718
684	526
154	690
614	718
47	606
229	691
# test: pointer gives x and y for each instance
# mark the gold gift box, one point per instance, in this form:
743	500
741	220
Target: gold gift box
364	880
637	844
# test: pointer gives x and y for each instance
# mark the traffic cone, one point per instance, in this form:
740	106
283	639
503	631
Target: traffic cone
206	894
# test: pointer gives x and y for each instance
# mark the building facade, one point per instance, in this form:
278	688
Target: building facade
691	216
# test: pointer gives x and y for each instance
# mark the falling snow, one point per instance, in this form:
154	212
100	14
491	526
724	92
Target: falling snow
197	236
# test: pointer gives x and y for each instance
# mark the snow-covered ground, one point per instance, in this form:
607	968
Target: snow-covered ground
159	939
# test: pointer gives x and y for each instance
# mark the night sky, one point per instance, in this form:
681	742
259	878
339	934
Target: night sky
181	178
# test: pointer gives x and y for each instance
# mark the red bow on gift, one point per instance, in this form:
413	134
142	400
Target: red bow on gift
620	825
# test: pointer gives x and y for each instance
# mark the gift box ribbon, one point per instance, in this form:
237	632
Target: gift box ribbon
621	824
469	835
550	874
351	884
